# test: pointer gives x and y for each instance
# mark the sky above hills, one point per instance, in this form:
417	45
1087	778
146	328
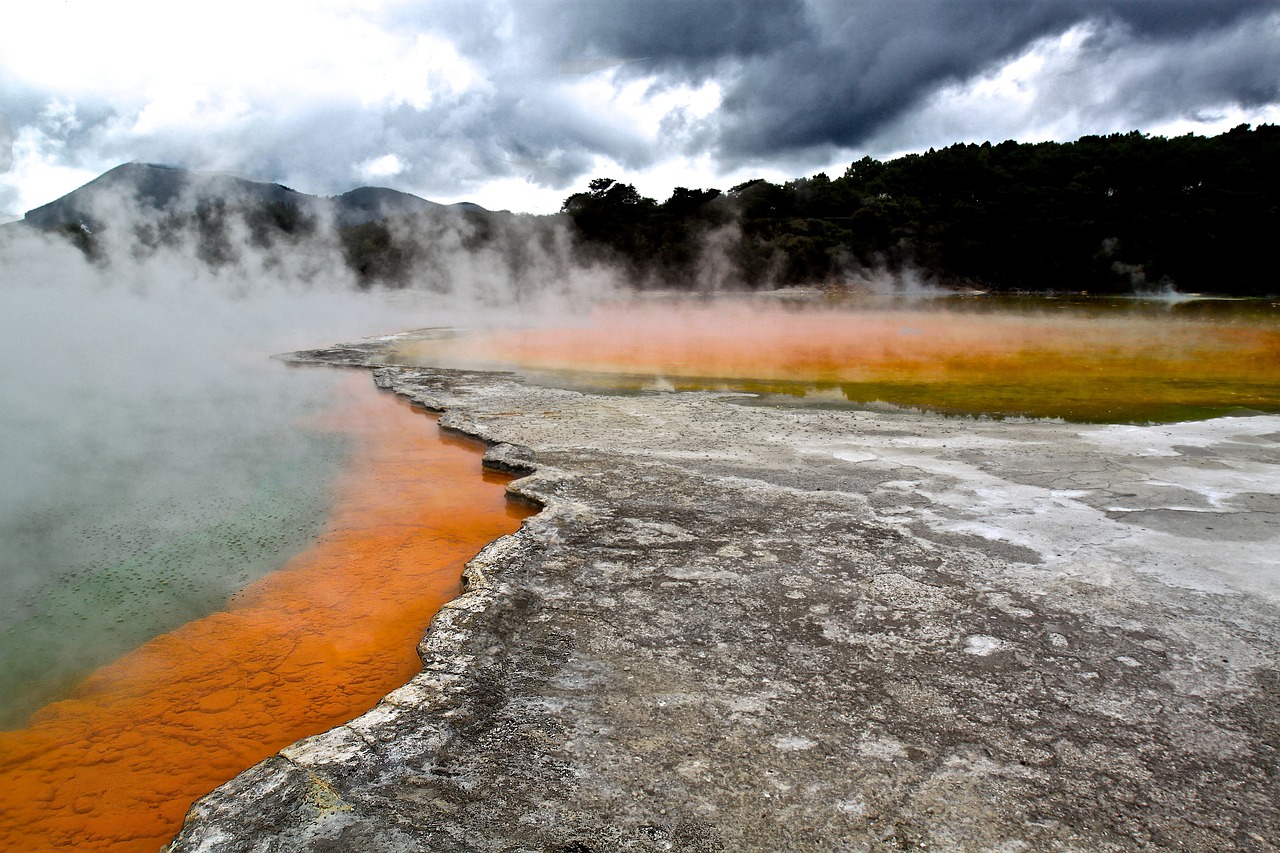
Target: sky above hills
517	103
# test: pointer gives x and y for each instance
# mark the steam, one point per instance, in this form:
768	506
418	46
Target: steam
717	270
156	458
6	163
502	266
1140	287
6	143
907	283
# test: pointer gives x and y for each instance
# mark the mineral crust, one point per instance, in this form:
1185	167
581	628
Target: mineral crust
740	628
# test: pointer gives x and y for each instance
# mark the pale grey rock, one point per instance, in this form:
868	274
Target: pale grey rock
734	628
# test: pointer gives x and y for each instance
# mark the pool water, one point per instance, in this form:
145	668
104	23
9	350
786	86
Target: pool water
1110	361
116	764
125	531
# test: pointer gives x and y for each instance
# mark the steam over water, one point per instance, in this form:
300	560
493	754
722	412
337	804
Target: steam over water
1088	360
178	516
132	515
155	458
115	766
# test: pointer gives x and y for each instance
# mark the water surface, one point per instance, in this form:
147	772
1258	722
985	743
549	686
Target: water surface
1077	359
115	765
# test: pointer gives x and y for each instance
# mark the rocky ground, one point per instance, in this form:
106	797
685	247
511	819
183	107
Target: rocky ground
739	628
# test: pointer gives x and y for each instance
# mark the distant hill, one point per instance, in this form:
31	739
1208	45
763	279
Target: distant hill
1123	213
370	204
386	237
156	188
170	190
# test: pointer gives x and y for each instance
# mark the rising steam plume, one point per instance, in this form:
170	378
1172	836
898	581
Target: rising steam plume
142	419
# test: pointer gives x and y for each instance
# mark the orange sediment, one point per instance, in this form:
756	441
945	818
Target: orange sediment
1080	366
116	766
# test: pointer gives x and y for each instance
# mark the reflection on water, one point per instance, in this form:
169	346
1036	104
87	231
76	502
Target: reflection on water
115	766
1078	359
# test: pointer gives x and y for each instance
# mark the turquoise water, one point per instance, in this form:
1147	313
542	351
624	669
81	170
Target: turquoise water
149	520
137	540
154	460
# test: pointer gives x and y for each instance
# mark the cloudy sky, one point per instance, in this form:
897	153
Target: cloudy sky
517	104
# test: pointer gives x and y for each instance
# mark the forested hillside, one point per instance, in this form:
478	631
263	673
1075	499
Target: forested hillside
1112	214
1103	214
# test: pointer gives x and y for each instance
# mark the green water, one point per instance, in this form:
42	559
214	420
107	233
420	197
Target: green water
154	521
153	460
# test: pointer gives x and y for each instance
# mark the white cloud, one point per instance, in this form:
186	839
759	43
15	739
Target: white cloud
170	64
1087	80
385	166
656	182
520	195
1212	123
416	73
643	104
176	107
40	171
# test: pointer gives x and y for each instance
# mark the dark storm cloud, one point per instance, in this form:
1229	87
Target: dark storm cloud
802	82
1198	70
672	34
1176	18
854	70
829	73
832	73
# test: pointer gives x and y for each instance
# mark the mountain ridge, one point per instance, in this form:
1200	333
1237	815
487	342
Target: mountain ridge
164	189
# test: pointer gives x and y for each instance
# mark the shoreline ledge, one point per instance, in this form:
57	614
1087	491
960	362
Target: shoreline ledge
734	628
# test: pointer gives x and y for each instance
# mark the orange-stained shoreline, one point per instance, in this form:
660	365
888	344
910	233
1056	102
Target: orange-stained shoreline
1112	366
116	766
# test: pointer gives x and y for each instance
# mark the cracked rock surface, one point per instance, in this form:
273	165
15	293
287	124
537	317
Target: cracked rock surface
737	628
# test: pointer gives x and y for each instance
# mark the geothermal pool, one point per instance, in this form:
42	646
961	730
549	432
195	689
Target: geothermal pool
115	765
371	501
747	627
134	526
1078	359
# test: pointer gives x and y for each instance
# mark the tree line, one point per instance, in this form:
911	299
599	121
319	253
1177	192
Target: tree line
1104	214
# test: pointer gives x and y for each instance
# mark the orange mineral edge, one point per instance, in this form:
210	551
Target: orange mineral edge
116	766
